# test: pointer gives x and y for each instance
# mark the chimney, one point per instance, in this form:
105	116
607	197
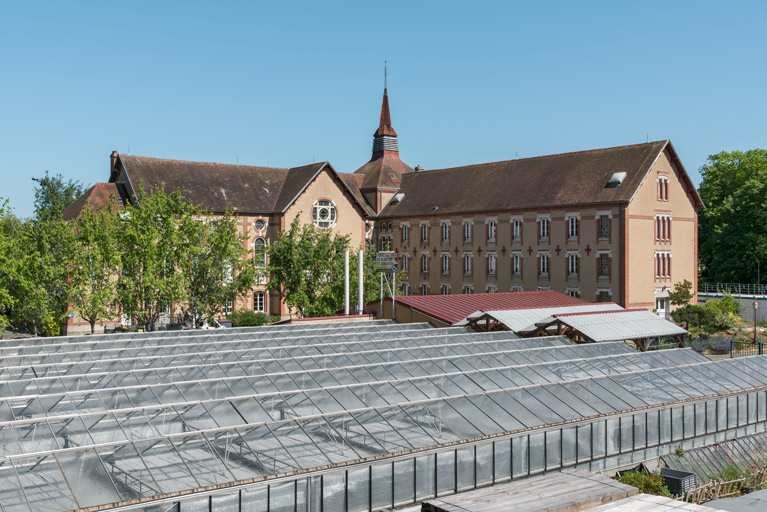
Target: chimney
418	168
113	158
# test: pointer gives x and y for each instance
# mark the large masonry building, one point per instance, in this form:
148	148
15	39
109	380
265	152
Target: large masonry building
616	224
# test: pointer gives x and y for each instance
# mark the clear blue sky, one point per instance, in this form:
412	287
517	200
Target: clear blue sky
286	83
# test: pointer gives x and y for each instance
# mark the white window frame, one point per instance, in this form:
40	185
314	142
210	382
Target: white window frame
516	229
516	263
572	227
543	233
467	263
606	256
445	289
492	230
572	264
424	233
445	232
404	258
259	243
228	307
492	263
424	263
468	289
543	265
424	289
445	263
405	233
259	302
467	229
319	206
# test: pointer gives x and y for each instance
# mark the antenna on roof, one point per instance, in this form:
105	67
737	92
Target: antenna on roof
385	75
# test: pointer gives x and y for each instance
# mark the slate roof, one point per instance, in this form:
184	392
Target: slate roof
454	308
545	181
354	183
249	189
383	172
96	196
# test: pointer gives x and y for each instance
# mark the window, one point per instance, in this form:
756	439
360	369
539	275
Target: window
260	224
405	233
228	272
491	228
662	265
445	264
572	265
604	265
544	229
467	231
467	264
259	251
491	263
467	290
445	232
518	288
491	289
405	289
445	289
258	302
228	307
516	264
324	214
516	230
603	296
424	263
424	289
405	259
572	228
662	188
604	227
574	292
385	243
424	233
544	264
663	228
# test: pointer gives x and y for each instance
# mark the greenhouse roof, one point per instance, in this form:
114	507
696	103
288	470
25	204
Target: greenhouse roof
130	418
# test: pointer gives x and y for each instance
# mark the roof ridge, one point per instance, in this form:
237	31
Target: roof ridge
212	163
548	156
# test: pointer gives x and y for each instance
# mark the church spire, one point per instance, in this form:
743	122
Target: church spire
385	138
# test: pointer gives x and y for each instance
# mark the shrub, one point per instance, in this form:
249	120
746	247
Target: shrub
50	327
248	318
647	483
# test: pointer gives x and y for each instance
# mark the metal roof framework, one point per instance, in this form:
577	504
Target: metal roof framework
525	319
146	440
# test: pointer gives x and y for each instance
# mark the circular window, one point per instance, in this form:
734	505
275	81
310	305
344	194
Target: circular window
260	224
324	214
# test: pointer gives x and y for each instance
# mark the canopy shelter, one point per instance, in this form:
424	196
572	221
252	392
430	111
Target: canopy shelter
520	319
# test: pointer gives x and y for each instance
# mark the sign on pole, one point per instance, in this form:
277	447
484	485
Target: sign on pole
386	261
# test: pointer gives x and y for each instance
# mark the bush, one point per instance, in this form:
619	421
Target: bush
706	319
248	318
647	483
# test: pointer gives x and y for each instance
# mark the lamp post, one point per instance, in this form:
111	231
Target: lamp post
756	306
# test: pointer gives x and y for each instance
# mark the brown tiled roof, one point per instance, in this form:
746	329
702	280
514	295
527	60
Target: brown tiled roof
297	180
384	125
353	183
383	172
247	188
546	181
95	197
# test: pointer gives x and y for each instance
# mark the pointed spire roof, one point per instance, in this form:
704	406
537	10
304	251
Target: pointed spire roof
384	126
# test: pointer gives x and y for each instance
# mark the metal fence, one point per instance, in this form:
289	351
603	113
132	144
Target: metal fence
745	348
733	288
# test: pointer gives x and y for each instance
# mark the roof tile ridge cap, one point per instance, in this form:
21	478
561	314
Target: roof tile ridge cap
664	141
200	162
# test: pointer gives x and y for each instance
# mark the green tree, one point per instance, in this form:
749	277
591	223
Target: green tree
8	253
681	295
733	226
94	264
155	238
53	194
218	269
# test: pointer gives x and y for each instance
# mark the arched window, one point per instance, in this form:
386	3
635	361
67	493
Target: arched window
324	214
259	251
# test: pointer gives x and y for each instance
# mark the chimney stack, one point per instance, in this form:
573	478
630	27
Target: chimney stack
418	168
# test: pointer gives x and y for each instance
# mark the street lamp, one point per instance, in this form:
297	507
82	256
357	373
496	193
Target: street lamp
756	306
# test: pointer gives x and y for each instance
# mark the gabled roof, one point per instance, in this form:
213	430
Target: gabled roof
454	308
354	183
96	196
619	325
545	181
297	180
247	188
517	320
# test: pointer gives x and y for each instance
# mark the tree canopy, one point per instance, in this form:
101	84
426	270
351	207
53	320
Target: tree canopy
733	226
53	194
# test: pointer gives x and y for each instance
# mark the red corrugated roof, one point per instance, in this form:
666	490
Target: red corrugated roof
453	308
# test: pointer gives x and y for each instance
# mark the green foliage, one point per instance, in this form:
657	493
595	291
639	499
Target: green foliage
647	483
706	319
681	295
217	268
306	265
733	226
94	263
53	195
8	251
249	318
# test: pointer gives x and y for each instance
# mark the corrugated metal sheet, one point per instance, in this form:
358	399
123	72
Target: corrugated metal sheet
621	325
525	319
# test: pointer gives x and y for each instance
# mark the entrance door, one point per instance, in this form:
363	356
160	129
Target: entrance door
661	306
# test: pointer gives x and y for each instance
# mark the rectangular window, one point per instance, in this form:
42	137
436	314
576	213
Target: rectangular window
467	264
445	232
424	289
491	227
544	230
467	231
604	227
516	264
228	307
405	259
424	264
467	290
604	265
259	302
572	228
491	289
572	265
424	233
445	264
544	265
574	292
603	296
516	230
405	289
491	264
445	289
405	233
663	188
